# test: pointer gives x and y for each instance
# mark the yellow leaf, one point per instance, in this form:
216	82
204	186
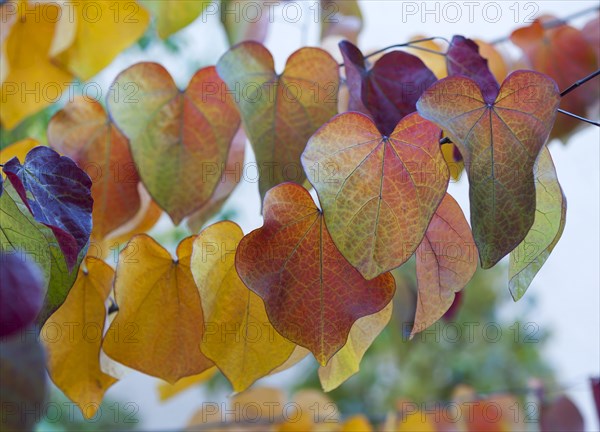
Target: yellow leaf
102	30
159	326
357	423
33	81
346	361
18	149
73	337
238	336
172	16
167	391
496	62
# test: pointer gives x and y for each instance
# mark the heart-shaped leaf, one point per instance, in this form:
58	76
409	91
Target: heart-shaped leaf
58	194
390	90
446	261
238	336
378	192
280	112
74	361
312	294
159	326
179	140
550	218
83	132
500	142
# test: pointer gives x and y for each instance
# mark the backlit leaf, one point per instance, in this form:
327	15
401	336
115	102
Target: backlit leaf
564	55
312	294
57	192
73	337
159	326
26	55
500	142
342	18
95	33
280	112
346	361
238	336
446	260
389	90
378	193
19	231
83	132
550	218
179	140
172	16
18	149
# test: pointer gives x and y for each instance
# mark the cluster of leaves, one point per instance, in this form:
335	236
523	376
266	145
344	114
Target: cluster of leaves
315	277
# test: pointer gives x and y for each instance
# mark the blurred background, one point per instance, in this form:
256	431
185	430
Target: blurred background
550	339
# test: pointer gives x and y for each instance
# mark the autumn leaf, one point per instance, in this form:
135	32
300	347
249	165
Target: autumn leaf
378	193
21	291
431	52
238	336
463	58
179	140
173	16
159	326
446	260
346	361
57	192
95	33
19	232
564	55
83	132
280	112
312	294
550	218
26	56
315	412
74	355
561	415
500	142
255	27
17	149
356	423
230	178
390	89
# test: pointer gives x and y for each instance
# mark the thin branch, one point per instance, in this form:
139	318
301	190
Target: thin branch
555	23
583	119
579	83
409	45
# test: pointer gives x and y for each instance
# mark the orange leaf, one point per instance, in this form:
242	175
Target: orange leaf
159	326
83	132
378	193
311	293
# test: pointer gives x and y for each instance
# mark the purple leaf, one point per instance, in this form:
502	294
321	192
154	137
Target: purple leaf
390	90
562	415
463	58
21	292
596	393
58	194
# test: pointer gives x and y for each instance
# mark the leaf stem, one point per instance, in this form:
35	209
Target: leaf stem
555	23
579	83
583	119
